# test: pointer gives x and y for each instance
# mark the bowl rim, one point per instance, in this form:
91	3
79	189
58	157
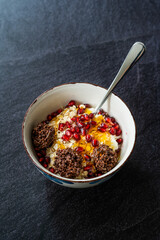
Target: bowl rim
70	179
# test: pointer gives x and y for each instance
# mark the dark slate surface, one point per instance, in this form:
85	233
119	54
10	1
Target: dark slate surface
47	43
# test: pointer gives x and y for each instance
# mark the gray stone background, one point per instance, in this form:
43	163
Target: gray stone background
44	43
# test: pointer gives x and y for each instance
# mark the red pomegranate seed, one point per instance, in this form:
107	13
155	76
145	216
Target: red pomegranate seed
39	155
36	149
101	129
47	159
116	127
93	123
79	149
71	103
43	152
119	140
74	119
65	138
100	111
82	118
77	129
61	126
83	131
112	131
54	114
68	133
99	174
104	125
41	160
118	132
80	124
78	119
59	111
95	143
87	126
51	169
115	123
88	138
87	168
45	165
108	119
80	111
68	124
113	119
91	115
49	117
72	129
86	117
87	105
87	157
76	136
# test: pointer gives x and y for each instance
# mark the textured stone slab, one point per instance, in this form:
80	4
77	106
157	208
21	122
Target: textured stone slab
47	43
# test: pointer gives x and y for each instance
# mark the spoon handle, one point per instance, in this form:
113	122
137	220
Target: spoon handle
133	56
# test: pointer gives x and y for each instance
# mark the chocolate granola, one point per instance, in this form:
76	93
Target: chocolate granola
43	135
68	163
104	158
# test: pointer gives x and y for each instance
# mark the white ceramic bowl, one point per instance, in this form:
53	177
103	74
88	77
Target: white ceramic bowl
58	97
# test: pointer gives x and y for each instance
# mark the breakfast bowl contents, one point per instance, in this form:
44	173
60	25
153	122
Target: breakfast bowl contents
75	143
71	145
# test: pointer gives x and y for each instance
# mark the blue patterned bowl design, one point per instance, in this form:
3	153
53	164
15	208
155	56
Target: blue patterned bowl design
71	184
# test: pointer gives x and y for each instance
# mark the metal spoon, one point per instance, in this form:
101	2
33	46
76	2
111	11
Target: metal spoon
135	53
